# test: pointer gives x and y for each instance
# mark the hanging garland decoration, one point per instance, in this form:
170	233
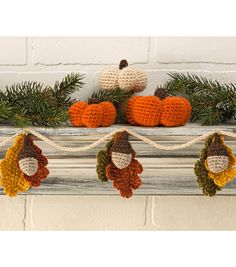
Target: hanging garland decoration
118	164
220	161
207	184
24	165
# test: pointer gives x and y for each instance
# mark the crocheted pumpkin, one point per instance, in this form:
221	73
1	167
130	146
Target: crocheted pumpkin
92	115
125	78
158	110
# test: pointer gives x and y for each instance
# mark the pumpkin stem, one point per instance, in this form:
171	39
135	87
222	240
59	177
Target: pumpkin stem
93	101
123	64
160	92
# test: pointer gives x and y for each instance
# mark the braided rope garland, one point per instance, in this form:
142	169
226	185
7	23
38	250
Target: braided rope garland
110	135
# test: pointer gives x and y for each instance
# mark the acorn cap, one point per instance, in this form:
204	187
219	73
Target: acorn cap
217	148
121	144
27	150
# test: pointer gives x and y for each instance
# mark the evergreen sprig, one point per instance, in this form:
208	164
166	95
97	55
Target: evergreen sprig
31	103
115	95
63	90
212	102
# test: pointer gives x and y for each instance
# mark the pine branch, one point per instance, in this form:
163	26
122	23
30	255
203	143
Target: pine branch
212	102
115	96
70	84
6	111
33	104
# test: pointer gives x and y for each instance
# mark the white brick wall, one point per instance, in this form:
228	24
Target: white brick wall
48	59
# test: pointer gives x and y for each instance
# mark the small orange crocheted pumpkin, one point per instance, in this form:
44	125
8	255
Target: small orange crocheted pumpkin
92	115
159	109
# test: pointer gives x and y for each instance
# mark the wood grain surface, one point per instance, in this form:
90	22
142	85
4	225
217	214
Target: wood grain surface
165	172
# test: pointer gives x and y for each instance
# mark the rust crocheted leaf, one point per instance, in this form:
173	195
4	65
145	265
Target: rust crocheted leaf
127	179
42	171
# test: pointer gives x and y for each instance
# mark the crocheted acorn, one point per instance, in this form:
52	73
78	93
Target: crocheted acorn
206	183
28	158
42	171
123	169
220	161
92	114
121	150
159	109
217	156
125	78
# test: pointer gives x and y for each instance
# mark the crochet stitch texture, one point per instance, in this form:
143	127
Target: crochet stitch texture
13	180
144	110
42	172
127	179
151	111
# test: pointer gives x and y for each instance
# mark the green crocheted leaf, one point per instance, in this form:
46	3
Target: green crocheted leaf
208	186
103	159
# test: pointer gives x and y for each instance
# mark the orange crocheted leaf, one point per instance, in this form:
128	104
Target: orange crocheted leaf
176	111
92	116
42	171
75	113
108	113
127	179
13	180
144	111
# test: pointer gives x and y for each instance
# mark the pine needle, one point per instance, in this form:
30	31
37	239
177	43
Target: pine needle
212	102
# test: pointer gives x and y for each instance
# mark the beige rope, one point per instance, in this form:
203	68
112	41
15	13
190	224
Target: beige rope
110	135
74	149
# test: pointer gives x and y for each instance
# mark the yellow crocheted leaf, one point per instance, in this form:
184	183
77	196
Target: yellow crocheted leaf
226	176
13	180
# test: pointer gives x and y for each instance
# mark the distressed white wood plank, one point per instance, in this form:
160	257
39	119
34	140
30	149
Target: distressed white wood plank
165	172
189	129
155	181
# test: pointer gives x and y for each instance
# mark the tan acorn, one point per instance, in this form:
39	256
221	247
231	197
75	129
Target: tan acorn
28	158
217	156
121	151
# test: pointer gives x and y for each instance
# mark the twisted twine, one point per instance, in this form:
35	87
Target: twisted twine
110	135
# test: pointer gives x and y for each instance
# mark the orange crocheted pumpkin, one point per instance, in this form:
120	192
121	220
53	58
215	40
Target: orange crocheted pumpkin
144	110
92	115
158	110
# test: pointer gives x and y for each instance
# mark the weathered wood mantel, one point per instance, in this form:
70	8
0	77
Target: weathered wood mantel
165	172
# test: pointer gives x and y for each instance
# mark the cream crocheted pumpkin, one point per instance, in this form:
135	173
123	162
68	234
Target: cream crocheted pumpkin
125	78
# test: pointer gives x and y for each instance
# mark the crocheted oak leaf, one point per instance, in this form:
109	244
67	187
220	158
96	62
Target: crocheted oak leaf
42	172
12	178
222	157
103	159
208	186
127	179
